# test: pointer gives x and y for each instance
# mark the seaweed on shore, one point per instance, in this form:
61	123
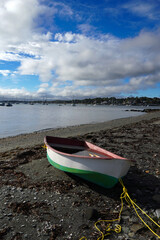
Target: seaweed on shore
3	232
28	208
60	186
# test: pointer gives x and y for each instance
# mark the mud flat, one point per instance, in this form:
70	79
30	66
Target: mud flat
41	202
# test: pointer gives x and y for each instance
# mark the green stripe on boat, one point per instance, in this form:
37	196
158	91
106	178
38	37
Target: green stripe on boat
97	178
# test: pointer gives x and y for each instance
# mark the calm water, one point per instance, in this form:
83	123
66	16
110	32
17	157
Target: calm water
25	118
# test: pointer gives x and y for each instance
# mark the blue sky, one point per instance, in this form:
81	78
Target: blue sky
79	49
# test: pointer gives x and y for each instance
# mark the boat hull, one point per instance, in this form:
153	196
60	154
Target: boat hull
105	173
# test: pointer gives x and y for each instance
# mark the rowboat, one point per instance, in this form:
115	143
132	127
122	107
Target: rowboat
86	160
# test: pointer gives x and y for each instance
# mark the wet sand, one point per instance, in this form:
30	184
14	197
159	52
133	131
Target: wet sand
41	202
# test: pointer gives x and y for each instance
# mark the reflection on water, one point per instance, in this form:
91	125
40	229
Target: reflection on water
25	118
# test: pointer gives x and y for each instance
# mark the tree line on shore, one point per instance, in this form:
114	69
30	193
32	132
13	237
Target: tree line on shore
121	101
134	101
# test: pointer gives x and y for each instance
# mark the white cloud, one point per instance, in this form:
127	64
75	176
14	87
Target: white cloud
63	9
14	92
41	67
102	63
17	18
7	56
147	9
18	22
22	20
86	28
44	85
5	72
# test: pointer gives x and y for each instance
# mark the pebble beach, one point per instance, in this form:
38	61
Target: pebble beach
41	202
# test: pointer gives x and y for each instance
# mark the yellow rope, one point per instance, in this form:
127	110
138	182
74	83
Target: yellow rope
44	146
117	229
126	196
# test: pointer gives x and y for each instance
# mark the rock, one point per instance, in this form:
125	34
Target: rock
133	219
136	227
9	214
125	213
125	229
131	234
156	198
157	213
84	226
139	193
91	213
125	217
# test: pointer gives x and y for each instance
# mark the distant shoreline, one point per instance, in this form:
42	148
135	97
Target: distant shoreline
149	110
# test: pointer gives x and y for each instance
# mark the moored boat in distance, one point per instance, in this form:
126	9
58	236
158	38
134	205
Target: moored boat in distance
2	104
86	160
73	104
9	104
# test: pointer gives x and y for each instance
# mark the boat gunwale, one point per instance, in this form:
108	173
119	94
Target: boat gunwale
114	156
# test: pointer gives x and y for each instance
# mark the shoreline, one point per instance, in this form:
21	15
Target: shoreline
35	138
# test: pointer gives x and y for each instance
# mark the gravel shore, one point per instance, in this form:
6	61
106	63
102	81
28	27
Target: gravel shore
41	202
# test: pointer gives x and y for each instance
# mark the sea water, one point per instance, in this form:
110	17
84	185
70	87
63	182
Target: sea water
26	118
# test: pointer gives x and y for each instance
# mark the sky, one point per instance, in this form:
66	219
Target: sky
79	49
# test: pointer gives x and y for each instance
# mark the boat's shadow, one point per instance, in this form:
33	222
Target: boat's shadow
144	187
